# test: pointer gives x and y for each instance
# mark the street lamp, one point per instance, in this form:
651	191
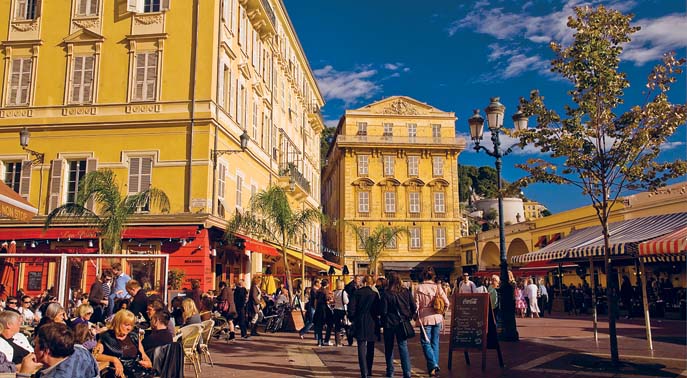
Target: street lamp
495	112
243	139
38	159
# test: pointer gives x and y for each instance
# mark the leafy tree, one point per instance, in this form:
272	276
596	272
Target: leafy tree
270	217
545	213
601	149
113	209
376	241
326	140
466	181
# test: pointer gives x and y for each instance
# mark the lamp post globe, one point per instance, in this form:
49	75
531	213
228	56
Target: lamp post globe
244	139
495	111
476	123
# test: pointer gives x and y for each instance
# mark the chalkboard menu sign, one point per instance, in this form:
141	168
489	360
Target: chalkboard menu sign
35	281
473	327
469	320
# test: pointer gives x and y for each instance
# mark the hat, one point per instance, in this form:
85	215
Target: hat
466	274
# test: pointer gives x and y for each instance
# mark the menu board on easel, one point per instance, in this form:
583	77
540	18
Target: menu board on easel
473	326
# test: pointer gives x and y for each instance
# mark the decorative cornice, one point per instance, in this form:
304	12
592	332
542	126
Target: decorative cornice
400	107
148	19
86	23
30	25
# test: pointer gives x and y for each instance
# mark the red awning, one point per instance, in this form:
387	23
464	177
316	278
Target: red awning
672	243
546	265
541	242
174	232
322	259
258	246
555	237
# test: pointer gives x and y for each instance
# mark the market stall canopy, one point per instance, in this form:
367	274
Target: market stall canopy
666	248
626	235
14	206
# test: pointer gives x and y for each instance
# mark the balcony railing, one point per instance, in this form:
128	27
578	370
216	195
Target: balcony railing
291	170
401	140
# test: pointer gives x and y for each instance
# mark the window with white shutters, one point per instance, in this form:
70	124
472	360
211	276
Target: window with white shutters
392	243
412	130
414	202
389	161
413	162
363	202
362	128
240	103
26	9
20	81
255	119
229	13
13	174
415	237
76	172
82	79
151	6
140	171
243	30
436	131
145	82
390	202
388	129
239	191
221	188
440	237
437	166
87	8
363	165
439	204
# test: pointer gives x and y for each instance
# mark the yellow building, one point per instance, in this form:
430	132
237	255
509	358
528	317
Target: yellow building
394	162
533	235
533	209
161	92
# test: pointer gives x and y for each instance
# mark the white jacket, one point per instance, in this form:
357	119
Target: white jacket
19	339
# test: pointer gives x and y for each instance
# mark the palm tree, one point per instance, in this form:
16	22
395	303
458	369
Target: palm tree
374	243
114	209
270	217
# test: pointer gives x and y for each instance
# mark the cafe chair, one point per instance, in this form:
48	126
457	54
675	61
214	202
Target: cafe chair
190	336
206	336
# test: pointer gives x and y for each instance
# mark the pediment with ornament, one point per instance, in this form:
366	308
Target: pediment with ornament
83	36
400	106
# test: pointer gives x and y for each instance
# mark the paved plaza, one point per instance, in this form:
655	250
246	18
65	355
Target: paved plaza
549	347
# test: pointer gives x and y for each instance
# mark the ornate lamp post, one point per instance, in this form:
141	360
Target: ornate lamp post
495	112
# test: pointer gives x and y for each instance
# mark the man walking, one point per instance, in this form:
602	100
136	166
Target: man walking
465	286
118	286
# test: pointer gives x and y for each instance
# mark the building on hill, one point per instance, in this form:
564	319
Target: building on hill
533	210
161	93
394	163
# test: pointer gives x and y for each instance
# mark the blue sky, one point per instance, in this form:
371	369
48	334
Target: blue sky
455	55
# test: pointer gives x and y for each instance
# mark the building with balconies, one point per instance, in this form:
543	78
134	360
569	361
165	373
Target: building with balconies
161	93
394	162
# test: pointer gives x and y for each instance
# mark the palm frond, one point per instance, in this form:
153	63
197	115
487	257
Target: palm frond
71	213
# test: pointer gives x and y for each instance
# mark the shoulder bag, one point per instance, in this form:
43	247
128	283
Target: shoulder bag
405	329
439	304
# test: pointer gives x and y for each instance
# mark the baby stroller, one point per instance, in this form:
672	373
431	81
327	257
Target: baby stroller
275	321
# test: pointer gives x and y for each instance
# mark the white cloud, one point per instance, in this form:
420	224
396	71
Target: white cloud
393	66
656	37
347	86
331	122
665	146
506	142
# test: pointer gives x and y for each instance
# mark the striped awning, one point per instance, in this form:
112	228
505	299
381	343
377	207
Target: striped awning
559	249
626	235
669	248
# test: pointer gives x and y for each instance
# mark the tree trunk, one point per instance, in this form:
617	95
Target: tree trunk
285	254
611	293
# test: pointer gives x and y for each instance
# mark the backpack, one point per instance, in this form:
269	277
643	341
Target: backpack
439	304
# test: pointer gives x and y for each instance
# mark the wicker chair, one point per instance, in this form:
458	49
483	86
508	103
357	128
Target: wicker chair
206	336
190	339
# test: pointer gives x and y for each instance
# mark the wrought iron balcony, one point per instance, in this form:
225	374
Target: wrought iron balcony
295	176
401	141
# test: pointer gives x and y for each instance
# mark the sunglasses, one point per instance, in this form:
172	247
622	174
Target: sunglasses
12	302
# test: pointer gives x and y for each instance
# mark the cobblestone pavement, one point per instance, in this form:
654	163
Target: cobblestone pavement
561	346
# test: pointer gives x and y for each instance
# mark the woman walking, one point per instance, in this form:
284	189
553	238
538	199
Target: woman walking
323	313
254	305
340	306
363	310
431	321
398	307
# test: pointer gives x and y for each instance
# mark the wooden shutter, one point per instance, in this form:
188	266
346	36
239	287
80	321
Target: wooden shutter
94	7
134	6
165	4
37	9
134	174
91	166
83	7
146	173
14	81
25	181
55	184
220	86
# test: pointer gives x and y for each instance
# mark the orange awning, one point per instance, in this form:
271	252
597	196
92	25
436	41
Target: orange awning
14	206
670	245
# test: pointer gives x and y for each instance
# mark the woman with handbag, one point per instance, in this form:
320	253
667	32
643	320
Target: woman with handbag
227	307
431	302
398	307
323	313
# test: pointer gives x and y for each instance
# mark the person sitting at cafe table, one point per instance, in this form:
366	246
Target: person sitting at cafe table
25	310
190	314
121	347
59	355
12	304
156	306
83	315
13	344
159	334
54	313
139	300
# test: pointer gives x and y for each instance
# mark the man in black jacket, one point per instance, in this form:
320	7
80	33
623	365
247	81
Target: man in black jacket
350	288
139	304
364	310
240	298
